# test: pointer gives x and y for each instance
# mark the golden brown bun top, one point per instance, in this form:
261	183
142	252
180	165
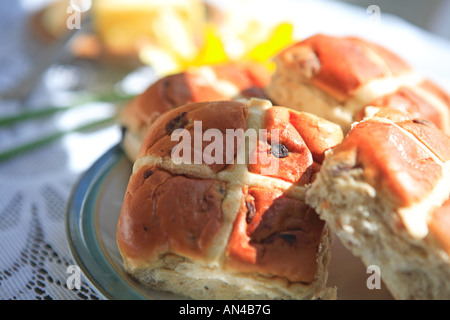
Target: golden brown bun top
221	115
406	160
402	156
236	213
426	101
346	68
208	83
340	65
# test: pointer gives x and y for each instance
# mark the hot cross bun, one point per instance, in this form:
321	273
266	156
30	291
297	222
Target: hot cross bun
232	80
385	192
233	228
338	78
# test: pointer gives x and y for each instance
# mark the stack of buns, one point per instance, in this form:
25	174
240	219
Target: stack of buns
363	152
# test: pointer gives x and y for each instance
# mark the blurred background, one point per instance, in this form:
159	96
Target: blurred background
432	15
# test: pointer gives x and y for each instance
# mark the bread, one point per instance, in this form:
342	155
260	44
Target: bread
338	78
233	80
385	192
230	228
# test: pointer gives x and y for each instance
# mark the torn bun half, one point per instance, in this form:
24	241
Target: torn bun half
385	192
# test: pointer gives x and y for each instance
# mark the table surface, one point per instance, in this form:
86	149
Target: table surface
35	187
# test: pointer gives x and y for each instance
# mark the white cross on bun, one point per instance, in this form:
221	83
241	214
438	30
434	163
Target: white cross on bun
229	230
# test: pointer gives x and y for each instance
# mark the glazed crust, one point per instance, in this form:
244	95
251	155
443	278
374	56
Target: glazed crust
167	213
338	65
402	158
231	219
305	136
391	161
342	76
384	190
160	142
208	83
271	227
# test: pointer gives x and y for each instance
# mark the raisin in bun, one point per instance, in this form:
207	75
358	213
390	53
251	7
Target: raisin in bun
225	81
230	228
385	192
339	77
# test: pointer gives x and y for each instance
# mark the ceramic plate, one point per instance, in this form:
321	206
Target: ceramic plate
92	218
91	224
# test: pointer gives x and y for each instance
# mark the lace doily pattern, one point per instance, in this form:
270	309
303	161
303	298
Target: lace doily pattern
35	187
35	255
37	270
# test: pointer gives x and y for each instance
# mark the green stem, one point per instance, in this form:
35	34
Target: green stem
46	140
43	112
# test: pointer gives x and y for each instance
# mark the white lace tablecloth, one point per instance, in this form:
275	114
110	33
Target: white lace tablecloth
35	187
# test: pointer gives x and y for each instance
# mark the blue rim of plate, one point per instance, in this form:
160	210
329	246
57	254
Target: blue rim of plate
82	232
